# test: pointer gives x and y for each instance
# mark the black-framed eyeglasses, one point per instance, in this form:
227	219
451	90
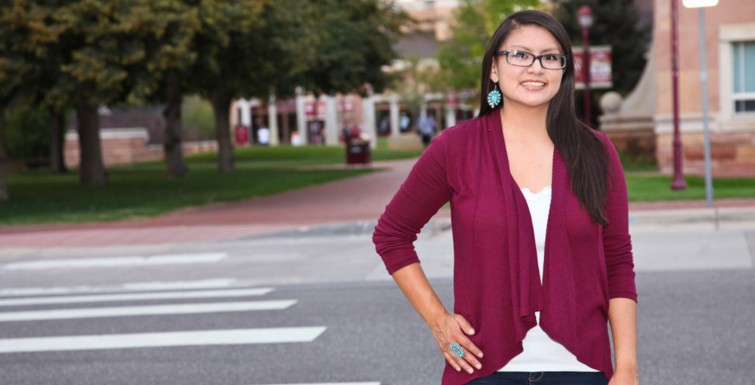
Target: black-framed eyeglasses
549	61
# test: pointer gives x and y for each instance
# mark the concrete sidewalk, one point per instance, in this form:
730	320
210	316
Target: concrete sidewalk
351	200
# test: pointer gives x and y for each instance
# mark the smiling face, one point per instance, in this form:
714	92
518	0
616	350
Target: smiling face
531	86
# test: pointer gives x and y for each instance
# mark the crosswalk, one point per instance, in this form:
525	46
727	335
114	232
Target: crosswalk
83	309
138	300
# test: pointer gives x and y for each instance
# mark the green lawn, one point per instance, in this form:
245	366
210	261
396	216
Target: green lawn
143	190
644	187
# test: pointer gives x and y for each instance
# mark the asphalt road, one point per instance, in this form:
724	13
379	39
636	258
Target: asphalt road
329	295
695	328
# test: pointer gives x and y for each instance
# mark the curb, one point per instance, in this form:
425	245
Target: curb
717	216
344	229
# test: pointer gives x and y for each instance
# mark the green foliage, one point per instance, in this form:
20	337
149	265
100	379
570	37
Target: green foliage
460	58
121	50
246	47
616	23
197	118
27	135
84	53
355	42
22	31
96	47
168	29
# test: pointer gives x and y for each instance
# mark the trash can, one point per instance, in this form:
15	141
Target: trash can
358	152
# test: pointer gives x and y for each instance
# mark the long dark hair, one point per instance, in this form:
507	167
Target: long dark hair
582	151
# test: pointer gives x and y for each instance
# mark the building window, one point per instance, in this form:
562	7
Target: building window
744	77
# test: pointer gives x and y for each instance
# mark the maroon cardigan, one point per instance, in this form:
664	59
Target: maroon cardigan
496	279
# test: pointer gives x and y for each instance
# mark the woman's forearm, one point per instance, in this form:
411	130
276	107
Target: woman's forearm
415	286
622	314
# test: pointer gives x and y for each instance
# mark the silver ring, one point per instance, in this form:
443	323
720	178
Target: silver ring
456	349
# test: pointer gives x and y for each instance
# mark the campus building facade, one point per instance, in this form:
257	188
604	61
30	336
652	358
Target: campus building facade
730	47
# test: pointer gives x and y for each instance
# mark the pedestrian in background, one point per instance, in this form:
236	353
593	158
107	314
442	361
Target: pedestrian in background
405	122
526	310
426	128
263	136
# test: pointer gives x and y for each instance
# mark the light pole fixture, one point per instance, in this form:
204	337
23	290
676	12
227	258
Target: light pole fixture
678	182
701	5
584	14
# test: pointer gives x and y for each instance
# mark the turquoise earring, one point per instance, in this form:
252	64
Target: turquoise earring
494	96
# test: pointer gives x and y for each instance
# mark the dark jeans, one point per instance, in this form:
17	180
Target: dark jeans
542	378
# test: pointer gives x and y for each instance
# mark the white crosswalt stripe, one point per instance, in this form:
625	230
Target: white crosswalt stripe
154	340
135	296
125	311
335	383
216	283
177	259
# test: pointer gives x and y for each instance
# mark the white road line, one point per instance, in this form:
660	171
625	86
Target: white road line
217	283
155	340
176	259
136	296
126	311
335	383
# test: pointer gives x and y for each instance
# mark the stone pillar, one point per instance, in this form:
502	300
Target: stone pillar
450	115
395	130
451	104
301	116
272	117
368	108
246	112
331	121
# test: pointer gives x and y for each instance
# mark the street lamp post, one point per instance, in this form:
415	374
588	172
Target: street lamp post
678	182
701	4
584	14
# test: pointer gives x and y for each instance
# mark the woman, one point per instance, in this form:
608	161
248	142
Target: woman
526	310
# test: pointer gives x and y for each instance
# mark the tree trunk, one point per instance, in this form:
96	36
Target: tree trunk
91	170
172	146
4	196
221	106
57	142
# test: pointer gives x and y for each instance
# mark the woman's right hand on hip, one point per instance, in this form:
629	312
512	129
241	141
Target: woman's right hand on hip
453	328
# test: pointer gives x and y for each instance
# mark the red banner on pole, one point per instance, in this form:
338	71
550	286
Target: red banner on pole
600	67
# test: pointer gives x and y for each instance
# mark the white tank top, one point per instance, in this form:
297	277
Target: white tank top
541	353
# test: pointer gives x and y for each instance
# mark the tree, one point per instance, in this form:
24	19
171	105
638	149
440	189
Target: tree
4	196
249	48
460	58
168	29
357	43
93	47
38	66
617	24
14	70
417	80
46	71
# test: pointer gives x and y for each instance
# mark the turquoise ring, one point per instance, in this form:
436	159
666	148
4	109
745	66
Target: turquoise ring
456	349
